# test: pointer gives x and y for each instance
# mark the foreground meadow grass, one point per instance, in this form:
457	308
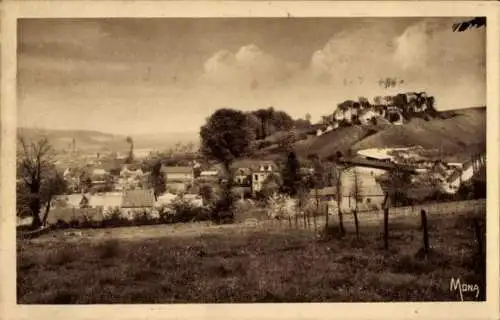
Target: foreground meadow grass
258	266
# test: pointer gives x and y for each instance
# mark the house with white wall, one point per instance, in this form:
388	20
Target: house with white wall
260	172
178	179
360	189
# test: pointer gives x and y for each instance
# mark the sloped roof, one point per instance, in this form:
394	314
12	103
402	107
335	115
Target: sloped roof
138	199
243	171
327	191
253	165
69	214
99	172
209	173
107	199
168	169
373	163
67	200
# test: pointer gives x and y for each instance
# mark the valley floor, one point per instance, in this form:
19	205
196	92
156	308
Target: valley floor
237	263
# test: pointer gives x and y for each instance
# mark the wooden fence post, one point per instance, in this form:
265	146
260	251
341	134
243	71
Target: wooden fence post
326	217
314	221
386	228
482	260
479	238
425	231
356	222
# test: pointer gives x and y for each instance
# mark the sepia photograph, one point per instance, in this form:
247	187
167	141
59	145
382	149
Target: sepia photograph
215	160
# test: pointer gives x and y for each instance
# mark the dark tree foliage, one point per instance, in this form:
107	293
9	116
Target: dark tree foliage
85	181
207	193
52	186
264	116
320	174
282	121
271	120
395	184
271	185
157	180
291	175
38	178
225	137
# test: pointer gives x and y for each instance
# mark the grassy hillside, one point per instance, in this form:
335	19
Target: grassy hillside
244	264
465	132
341	139
455	132
331	142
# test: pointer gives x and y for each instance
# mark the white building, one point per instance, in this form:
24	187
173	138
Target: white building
360	189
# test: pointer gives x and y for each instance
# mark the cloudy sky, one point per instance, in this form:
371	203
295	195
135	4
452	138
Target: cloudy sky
167	75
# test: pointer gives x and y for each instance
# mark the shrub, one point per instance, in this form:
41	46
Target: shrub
181	210
114	218
74	223
60	224
143	217
88	222
281	206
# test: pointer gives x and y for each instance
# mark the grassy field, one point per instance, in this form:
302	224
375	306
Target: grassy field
203	264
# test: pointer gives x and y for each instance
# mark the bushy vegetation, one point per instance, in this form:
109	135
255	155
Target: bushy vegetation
179	211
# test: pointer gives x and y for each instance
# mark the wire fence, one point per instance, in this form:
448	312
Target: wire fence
315	222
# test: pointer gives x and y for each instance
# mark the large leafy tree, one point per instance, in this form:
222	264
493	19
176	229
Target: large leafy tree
38	179
225	137
291	174
265	116
52	186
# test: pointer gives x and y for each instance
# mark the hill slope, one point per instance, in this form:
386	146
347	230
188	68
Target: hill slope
456	132
465	132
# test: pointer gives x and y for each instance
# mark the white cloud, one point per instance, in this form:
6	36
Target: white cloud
427	55
220	61
432	45
249	67
411	46
449	65
354	57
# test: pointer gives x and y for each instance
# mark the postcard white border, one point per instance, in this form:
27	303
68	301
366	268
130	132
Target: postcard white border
13	10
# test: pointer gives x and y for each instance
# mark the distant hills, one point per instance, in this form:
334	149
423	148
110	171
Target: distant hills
95	141
453	135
